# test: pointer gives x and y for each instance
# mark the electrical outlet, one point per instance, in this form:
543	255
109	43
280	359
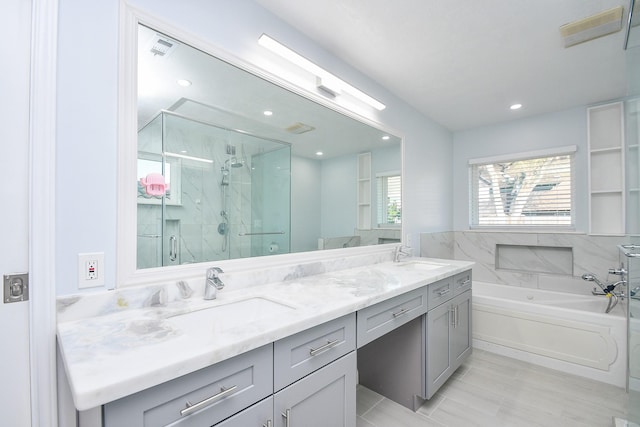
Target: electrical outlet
90	270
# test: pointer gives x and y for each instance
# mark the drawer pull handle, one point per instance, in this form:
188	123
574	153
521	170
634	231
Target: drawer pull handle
208	401
268	424
442	292
400	312
287	417
322	348
464	282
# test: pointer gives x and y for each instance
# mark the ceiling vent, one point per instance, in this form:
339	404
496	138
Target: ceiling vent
298	128
162	46
592	27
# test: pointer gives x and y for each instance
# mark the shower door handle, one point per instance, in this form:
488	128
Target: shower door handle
173	248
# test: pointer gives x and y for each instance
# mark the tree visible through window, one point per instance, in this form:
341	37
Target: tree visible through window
528	192
389	189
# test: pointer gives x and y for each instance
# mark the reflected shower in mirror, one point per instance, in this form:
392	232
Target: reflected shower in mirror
233	166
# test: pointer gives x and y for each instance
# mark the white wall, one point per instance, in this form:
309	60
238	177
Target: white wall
534	133
338	195
88	107
305	206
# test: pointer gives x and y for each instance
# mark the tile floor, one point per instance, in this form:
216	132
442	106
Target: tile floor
496	391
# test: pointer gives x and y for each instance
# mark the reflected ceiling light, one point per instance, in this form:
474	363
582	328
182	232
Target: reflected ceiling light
182	156
324	79
319	153
268	113
184	83
386	137
516	106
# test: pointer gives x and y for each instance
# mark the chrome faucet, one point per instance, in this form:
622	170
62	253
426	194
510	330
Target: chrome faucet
401	252
213	283
608	289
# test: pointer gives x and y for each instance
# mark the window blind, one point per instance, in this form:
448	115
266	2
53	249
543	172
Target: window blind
527	192
389	195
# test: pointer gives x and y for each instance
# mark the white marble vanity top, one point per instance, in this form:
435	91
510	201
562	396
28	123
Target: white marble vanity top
120	346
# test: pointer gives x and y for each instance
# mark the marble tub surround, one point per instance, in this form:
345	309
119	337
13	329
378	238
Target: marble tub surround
577	254
137	338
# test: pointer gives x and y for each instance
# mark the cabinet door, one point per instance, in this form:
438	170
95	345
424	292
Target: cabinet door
258	415
327	397
438	347
461	329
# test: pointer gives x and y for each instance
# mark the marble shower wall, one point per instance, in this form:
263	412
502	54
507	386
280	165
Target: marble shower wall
552	261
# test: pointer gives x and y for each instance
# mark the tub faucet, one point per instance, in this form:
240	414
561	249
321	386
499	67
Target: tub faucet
401	252
213	283
608	289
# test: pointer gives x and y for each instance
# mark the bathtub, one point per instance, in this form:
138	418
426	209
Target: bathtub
558	330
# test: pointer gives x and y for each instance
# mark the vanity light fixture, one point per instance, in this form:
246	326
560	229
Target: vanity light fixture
325	81
184	83
386	138
516	107
182	156
268	113
319	153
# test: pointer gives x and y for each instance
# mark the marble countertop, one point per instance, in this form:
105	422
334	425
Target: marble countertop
122	346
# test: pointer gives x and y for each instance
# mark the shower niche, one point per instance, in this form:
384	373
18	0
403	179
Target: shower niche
207	193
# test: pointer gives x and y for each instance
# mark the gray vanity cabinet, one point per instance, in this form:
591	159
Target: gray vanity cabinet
324	398
315	373
448	332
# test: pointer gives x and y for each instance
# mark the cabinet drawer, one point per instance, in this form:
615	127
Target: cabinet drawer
377	320
462	282
219	391
440	292
307	351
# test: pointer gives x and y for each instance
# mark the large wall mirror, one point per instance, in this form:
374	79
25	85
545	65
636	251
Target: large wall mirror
230	165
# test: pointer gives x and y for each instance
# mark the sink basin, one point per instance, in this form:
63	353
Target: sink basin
230	314
421	265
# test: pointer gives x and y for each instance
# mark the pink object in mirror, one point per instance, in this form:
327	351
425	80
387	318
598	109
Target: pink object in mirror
154	184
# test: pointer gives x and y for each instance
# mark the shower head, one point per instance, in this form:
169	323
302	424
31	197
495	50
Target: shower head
590	277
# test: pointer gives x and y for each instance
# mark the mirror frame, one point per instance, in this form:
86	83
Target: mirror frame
127	273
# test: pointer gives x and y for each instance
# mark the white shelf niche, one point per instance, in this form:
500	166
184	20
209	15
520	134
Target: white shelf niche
606	169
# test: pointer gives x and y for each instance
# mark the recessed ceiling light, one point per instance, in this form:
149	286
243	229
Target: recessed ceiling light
319	153
386	137
516	106
268	113
184	83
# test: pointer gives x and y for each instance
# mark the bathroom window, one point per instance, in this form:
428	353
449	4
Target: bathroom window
389	196
526	190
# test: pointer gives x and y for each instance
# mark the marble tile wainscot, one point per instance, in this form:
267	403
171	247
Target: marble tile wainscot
122	342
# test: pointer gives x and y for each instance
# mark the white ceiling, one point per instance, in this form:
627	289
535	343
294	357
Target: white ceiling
463	63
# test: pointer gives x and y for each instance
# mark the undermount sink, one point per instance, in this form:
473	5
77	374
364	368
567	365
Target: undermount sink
230	314
421	265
